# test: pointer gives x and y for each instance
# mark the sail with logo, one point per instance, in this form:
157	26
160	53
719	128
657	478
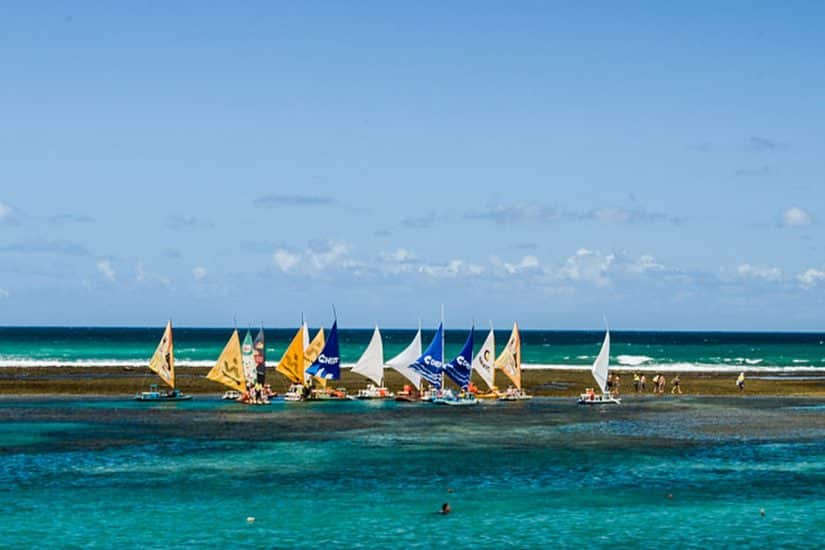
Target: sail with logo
509	361
460	369
485	365
228	369
248	360
327	365
430	365
162	363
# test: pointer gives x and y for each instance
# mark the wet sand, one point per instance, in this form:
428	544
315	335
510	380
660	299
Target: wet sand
558	383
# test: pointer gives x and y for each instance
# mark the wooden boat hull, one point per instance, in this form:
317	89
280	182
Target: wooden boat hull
586	399
158	398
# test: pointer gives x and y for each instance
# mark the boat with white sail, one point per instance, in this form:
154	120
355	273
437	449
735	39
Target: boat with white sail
600	370
401	364
163	364
371	366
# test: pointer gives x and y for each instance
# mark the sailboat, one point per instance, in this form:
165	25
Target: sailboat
459	370
401	364
600	368
292	365
327	366
510	363
371	366
484	363
163	364
430	365
229	368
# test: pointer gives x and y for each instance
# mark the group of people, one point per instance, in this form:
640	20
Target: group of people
659	383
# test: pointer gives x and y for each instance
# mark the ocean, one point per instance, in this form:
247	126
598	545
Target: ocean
682	351
687	473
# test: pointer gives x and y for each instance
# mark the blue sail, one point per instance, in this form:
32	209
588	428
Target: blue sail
461	368
328	363
431	364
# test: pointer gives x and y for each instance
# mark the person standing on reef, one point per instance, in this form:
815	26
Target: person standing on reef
677	387
636	382
609	384
662	384
617	384
740	382
656	383
643	383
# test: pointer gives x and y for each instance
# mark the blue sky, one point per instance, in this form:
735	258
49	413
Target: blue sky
546	162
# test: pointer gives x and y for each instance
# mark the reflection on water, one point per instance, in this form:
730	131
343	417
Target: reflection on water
690	472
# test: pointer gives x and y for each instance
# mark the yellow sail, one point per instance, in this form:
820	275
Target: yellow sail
229	368
292	363
313	350
510	359
163	360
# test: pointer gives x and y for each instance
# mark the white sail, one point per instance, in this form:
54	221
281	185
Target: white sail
403	360
371	363
600	365
306	335
484	362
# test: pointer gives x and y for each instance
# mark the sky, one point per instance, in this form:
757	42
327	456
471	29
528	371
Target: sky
553	163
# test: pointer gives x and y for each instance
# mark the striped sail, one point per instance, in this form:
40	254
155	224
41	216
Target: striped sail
401	362
484	362
460	369
371	363
228	370
327	366
600	365
510	359
430	365
163	360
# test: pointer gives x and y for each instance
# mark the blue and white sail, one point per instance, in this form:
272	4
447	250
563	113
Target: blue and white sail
461	368
328	363
431	363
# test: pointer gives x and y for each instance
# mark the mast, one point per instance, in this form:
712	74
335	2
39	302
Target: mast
443	339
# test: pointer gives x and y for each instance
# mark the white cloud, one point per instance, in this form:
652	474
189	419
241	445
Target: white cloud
199	272
106	269
529	262
811	277
285	260
643	264
322	255
795	217
144	276
5	212
3	293
765	273
451	269
587	266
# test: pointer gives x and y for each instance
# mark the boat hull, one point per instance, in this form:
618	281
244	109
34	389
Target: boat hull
157	398
591	399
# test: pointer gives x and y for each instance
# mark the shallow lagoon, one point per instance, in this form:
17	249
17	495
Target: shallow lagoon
689	472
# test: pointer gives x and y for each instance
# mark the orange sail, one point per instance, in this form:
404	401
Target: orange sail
292	363
510	359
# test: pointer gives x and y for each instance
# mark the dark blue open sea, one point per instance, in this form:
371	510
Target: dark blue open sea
689	473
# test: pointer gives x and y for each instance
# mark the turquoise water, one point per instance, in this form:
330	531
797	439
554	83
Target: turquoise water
688	473
653	350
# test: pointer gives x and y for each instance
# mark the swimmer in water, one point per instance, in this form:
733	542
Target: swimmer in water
445	509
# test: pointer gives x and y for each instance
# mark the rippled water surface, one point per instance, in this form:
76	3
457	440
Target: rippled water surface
694	472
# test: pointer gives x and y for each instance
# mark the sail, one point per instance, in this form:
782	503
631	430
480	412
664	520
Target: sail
248	360
484	362
430	365
401	362
229	368
327	366
314	348
600	365
461	368
163	360
371	363
510	359
260	363
292	363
